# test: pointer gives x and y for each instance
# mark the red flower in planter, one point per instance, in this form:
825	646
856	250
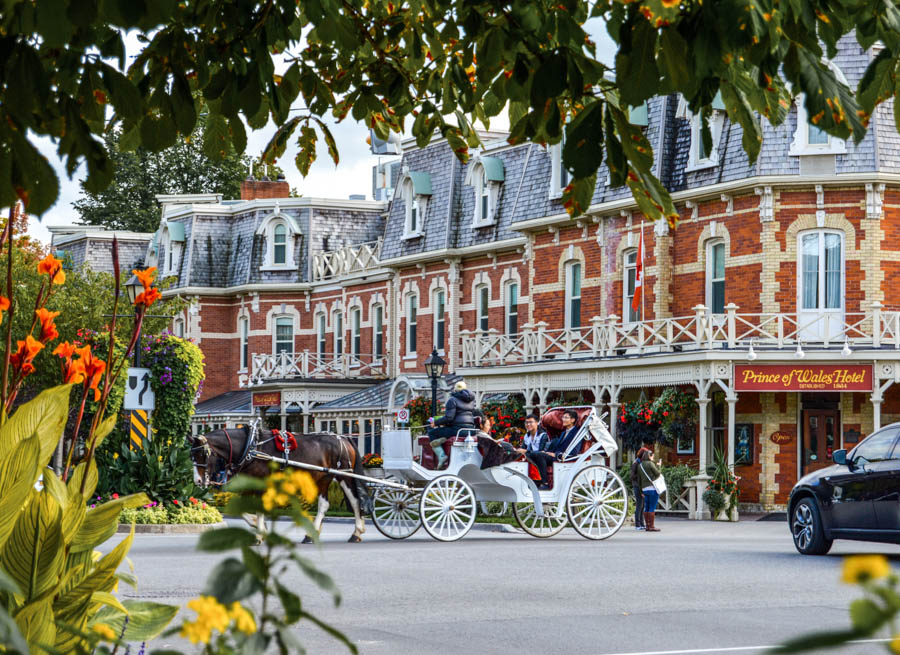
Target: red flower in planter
115	496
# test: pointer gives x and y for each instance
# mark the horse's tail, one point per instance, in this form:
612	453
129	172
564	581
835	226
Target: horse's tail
362	492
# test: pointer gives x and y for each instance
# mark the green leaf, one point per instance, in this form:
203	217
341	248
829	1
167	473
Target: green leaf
36	624
222	539
123	94
18	474
254	562
241	483
183	105
816	641
329	141
108	599
866	616
216	137
146	620
334	632
583	147
278	143
290	601
33	554
102	522
230	581
75	478
45	416
322	579
636	71
10	636
675	61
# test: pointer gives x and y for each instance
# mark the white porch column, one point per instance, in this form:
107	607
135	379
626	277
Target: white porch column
876	398
703	445
732	401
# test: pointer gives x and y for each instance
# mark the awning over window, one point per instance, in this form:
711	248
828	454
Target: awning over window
421	183
176	231
493	169
717	102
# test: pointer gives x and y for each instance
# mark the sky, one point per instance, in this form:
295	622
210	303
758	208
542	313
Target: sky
353	175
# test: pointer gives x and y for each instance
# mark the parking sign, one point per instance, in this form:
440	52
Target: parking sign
403	415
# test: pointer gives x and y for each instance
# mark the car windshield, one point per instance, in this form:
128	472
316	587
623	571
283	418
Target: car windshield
878	447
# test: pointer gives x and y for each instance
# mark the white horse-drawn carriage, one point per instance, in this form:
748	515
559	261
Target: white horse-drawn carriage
585	492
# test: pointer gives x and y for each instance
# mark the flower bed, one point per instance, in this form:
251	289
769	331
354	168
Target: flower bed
192	512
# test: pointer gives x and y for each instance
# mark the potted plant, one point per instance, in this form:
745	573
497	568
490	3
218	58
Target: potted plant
373	464
724	483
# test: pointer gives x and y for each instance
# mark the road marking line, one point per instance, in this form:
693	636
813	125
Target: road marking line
732	649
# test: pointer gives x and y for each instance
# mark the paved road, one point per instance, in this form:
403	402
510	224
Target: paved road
694	587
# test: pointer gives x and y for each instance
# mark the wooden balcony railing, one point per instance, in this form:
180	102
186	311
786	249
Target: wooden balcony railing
311	365
609	337
347	260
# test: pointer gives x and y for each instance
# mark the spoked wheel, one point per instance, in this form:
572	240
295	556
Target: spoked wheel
447	508
597	502
553	520
396	512
806	528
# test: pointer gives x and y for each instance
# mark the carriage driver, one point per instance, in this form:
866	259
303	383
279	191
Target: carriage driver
555	449
459	414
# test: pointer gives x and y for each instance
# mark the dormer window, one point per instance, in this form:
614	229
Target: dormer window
810	139
172	244
559	176
699	157
280	233
416	189
486	176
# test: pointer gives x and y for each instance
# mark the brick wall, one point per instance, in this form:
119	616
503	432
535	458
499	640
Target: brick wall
253	189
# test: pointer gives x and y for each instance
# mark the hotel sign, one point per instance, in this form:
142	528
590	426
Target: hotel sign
805	377
266	398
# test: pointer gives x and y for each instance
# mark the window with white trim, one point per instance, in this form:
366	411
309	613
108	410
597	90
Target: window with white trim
440	319
412	310
559	175
414	206
356	330
573	294
179	328
338	325
512	308
699	158
284	335
321	339
482	298
244	333
821	270
171	254
629	281
810	139
279	235
279	244
378	331
715	276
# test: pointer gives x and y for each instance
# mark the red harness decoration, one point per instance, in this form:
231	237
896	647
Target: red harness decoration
282	439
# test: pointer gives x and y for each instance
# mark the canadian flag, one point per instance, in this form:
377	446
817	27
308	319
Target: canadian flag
638	277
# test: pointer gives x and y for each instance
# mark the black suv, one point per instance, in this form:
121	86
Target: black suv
857	498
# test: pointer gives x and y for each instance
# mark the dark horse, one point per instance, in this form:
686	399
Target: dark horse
220	454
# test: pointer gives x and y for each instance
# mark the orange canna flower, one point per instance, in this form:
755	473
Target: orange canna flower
51	266
145	276
93	369
73	370
65	350
26	353
48	328
4	305
148	297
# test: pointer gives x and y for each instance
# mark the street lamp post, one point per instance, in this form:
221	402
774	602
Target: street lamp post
133	288
434	366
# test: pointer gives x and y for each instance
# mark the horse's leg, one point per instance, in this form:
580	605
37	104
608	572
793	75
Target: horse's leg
320	515
360	524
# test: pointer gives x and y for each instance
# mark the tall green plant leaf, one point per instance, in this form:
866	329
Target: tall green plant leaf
146	620
45	417
102	522
17	476
33	554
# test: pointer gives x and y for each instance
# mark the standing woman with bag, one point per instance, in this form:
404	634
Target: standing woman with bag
652	484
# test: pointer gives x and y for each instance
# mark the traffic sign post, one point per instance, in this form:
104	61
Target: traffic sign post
138	392
140	428
403	415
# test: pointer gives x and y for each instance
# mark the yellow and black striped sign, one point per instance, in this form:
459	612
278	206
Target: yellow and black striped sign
140	428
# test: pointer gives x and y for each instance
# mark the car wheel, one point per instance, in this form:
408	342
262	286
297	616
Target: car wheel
806	528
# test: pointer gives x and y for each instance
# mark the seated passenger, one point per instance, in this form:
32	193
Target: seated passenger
553	451
458	414
494	452
535	442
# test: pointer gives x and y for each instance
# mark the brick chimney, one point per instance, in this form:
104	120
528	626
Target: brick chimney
252	189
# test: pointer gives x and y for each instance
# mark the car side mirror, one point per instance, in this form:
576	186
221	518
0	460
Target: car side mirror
839	456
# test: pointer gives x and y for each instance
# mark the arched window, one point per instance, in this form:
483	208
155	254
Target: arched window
482	299
573	294
440	319
284	335
179	328
378	331
244	333
412	310
629	282
485	175
809	139
415	189
279	241
512	308
715	276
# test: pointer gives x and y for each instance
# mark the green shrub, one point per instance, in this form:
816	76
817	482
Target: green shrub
169	513
194	514
676	476
715	500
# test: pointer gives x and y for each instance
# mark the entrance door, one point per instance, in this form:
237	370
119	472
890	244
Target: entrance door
820	428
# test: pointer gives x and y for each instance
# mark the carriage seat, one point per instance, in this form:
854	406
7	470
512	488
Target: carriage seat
552	420
429	460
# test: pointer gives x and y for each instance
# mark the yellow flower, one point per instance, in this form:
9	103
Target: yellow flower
104	631
169	442
243	620
268	499
895	643
115	455
159	458
860	568
304	483
211	615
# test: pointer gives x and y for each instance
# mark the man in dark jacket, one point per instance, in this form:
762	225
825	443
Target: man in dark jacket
554	450
459	413
535	443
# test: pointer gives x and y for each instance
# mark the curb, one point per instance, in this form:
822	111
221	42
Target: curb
169	528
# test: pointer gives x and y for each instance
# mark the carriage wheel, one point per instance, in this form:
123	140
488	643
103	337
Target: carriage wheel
551	523
448	508
597	502
396	512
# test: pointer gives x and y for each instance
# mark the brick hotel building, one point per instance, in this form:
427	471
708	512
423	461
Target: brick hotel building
775	300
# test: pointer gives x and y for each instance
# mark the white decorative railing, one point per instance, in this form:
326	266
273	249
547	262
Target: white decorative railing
310	365
347	260
680	501
609	337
